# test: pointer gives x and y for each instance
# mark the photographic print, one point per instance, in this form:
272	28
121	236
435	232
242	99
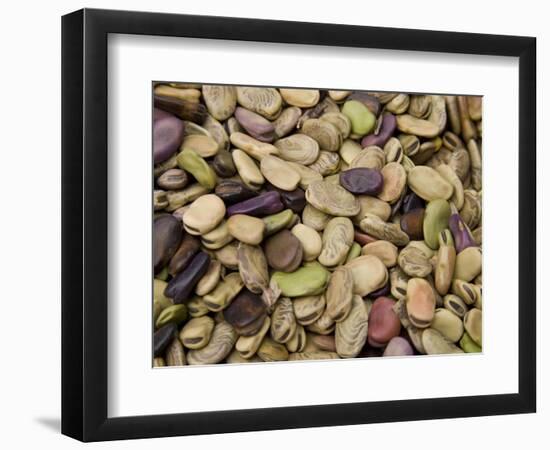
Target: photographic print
310	224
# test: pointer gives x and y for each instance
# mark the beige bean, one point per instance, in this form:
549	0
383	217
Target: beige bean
310	240
369	274
270	350
219	346
197	332
384	250
420	302
429	184
398	283
247	229
279	173
283	321
452	178
393	150
455	304
175	354
220	100
204	146
351	333
340	121
247	346
264	101
332	199
287	121
448	324
468	264
253	267
327	163
307	175
297	342
196	307
395	180
399	104
247	169
339	294
414	261
315	355
217	238
437	344
419	127
338	96
464	290
325	133
372	157
252	147
349	150
308	309
303	98
228	256
473	324
372	205
373	225
204	214
235	358
337	240
298	148
189	95
323	325
314	218
210	279
445	265
224	292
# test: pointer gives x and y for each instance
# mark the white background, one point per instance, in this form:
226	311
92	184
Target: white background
134	389
30	195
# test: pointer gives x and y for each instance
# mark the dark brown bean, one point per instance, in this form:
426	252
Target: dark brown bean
284	251
232	192
162	338
167	233
223	164
246	313
188	247
412	223
173	179
294	200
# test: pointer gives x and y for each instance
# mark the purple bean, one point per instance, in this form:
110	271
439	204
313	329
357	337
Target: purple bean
382	292
182	285
262	205
412	201
257	126
162	338
362	180
167	136
386	131
398	346
294	200
461	233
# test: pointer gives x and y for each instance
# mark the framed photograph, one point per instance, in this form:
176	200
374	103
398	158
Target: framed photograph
273	225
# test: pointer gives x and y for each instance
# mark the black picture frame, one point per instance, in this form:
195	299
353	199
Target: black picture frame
84	224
